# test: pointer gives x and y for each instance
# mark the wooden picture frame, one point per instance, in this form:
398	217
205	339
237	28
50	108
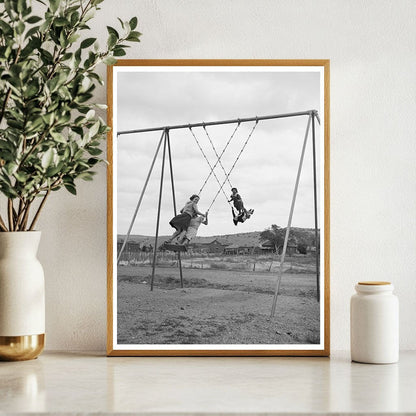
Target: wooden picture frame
220	297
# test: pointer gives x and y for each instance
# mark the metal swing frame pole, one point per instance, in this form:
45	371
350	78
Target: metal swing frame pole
317	244
289	223
158	209
140	199
174	198
216	123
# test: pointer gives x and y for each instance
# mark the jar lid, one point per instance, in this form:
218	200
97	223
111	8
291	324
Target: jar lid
374	283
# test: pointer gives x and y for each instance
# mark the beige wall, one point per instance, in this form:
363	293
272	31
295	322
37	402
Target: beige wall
371	45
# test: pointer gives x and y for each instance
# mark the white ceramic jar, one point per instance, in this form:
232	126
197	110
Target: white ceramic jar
374	323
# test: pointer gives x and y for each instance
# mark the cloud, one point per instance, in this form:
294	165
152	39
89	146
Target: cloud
265	172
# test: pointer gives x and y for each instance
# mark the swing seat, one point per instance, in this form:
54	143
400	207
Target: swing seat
174	247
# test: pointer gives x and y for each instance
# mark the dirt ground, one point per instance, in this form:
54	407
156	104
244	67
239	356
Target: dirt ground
215	307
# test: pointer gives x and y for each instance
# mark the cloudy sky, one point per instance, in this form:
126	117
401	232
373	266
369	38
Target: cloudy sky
266	171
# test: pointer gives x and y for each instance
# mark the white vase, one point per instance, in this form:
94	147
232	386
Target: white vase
374	323
22	296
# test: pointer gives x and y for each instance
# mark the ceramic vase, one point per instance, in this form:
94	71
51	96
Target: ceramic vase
374	323
22	296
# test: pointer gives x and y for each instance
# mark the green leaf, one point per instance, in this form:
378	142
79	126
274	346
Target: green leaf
10	7
11	168
71	188
21	6
133	23
73	38
46	56
78	154
110	60
74	18
21	177
54	4
133	37
90	14
77	130
53	83
94	151
111	30
94	129
119	52
5	146
90	115
58	137
85	85
86	176
67	153
20	28
92	161
31	90
33	19
48	118
61	21
52	171
6	29
121	22
35	125
8	191
87	42
47	158
16	124
112	41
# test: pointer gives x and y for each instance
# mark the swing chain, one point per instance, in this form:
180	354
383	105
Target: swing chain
220	156
233	166
209	164
216	154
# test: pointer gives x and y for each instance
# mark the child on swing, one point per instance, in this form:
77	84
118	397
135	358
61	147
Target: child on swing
237	201
192	230
181	221
242	214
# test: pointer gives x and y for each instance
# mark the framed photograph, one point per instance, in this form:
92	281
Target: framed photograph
218	208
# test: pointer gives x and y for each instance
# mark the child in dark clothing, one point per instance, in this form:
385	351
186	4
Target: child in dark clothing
237	201
242	213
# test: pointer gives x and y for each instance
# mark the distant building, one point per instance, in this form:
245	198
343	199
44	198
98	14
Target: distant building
131	251
231	249
213	246
244	249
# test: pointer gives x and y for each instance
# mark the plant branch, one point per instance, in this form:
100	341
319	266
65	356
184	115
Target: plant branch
2	224
18	217
10	213
35	218
26	216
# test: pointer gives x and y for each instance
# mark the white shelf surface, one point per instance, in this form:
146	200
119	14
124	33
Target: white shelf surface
86	383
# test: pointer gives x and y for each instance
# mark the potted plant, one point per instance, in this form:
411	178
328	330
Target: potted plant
50	136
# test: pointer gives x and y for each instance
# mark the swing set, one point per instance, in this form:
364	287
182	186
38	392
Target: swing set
165	139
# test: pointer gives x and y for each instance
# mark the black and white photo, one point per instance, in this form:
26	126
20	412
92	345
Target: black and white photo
218	222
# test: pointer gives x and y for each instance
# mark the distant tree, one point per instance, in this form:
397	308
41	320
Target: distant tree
274	235
302	248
